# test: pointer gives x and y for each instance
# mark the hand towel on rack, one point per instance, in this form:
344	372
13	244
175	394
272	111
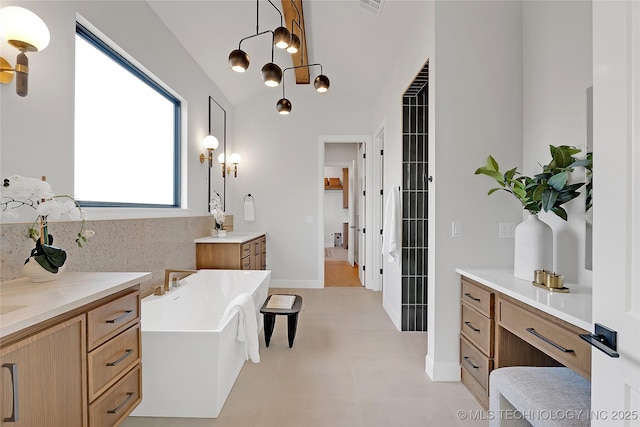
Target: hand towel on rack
247	324
390	228
249	210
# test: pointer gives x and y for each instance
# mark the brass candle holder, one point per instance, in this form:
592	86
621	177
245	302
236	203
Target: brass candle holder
550	281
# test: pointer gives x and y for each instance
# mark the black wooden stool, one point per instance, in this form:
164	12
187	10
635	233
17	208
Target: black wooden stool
269	315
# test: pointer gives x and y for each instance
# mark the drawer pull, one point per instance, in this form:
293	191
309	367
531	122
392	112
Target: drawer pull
468	295
548	341
13	369
126	354
119	318
468	360
121	405
472	327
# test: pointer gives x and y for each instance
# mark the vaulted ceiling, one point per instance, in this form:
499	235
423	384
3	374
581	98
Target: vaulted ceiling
356	47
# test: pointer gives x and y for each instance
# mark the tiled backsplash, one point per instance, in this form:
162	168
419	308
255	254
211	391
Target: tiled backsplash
119	245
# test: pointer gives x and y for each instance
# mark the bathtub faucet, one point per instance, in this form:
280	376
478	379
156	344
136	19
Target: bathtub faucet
171	278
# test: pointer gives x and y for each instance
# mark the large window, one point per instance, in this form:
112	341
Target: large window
127	131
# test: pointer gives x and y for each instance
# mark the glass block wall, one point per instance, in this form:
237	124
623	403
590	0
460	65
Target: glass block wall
415	180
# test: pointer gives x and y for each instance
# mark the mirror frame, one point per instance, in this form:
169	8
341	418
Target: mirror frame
217	112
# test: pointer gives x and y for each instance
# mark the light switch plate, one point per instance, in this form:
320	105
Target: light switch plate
456	229
507	230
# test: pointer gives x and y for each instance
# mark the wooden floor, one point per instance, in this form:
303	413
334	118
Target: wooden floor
340	273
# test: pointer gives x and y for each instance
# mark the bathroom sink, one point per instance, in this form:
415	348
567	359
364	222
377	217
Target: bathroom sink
6	308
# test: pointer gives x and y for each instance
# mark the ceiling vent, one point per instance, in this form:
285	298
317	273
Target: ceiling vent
374	6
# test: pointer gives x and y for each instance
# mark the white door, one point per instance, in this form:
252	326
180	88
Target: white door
352	215
616	217
362	236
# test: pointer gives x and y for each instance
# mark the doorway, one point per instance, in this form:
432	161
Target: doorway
342	257
355	226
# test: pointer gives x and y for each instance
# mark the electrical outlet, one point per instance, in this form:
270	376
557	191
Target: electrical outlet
507	230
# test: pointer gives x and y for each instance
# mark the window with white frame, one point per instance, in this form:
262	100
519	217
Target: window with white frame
127	131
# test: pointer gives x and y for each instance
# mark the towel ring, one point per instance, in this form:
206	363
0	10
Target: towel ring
248	196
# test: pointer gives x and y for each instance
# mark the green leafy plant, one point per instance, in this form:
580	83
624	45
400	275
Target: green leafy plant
546	191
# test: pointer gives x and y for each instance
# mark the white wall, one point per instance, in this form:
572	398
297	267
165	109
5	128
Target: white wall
37	132
387	114
475	109
280	169
478	109
557	70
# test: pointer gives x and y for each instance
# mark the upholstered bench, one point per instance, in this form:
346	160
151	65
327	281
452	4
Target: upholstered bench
538	396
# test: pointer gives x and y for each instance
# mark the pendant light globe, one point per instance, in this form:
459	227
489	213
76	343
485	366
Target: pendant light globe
281	37
239	61
271	74
294	46
321	83
283	106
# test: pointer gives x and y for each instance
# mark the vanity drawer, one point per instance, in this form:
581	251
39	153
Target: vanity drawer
478	297
107	362
109	319
476	363
246	263
558	339
478	329
245	249
116	404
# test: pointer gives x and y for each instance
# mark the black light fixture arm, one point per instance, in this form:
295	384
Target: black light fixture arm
278	10
302	66
255	35
302	45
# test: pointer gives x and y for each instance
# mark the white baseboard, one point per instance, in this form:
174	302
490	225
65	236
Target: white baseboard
442	371
293	284
394	314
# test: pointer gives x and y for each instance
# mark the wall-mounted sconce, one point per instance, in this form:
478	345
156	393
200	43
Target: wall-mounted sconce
234	159
27	32
210	143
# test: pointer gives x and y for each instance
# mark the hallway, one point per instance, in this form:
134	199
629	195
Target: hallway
337	270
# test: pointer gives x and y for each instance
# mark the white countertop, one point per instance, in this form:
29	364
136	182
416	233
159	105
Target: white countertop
233	237
25	303
573	307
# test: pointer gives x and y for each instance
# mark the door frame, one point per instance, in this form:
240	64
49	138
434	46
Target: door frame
367	140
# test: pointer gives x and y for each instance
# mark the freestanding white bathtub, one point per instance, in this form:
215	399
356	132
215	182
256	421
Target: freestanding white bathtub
190	358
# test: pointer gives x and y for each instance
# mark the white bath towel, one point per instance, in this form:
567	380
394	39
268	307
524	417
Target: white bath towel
247	324
249	210
391	225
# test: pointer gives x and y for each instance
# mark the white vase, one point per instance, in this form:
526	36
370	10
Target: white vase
38	274
533	248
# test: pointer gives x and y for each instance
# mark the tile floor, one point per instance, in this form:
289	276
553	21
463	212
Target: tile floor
349	366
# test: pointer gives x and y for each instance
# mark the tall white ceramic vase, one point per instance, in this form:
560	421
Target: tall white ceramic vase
533	248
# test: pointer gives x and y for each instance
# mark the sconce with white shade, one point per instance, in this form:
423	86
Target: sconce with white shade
27	32
210	143
234	159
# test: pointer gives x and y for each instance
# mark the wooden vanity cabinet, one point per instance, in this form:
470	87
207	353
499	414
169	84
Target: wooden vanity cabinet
113	360
43	378
497	330
81	368
477	338
249	255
